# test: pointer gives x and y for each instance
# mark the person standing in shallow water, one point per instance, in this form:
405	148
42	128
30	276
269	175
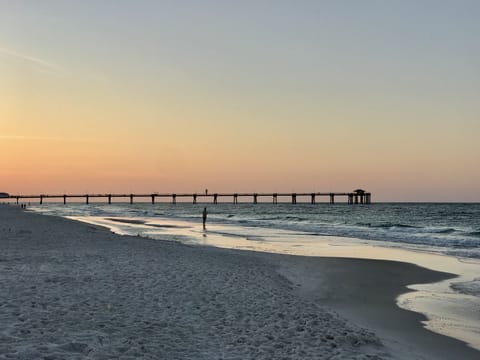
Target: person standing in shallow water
204	218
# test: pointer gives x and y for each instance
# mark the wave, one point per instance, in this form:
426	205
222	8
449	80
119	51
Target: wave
413	228
294	218
445	231
388	225
467	287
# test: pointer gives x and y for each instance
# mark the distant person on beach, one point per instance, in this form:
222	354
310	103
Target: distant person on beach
204	218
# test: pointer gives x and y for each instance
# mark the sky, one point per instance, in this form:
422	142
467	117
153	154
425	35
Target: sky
179	96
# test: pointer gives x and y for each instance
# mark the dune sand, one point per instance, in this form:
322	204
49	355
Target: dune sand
74	291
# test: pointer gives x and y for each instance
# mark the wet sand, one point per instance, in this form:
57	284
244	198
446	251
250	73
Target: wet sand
365	292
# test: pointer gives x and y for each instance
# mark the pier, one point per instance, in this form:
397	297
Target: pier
358	196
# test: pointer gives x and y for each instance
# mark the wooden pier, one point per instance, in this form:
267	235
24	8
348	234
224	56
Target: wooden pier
356	197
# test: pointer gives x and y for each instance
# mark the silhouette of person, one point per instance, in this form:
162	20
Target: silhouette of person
206	191
204	217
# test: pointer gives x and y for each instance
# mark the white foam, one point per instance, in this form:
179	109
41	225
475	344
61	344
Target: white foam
468	287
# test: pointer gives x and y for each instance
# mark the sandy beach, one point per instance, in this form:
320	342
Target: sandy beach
76	291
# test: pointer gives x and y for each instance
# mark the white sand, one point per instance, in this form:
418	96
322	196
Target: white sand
71	290
75	291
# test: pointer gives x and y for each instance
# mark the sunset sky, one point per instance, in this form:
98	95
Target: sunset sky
162	96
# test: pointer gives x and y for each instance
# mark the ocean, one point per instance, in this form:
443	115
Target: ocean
450	229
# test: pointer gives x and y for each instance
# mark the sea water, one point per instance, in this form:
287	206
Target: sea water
451	229
443	237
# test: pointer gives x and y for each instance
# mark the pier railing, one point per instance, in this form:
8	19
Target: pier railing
355	197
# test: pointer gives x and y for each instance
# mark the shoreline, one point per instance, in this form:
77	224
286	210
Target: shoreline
366	290
450	312
306	287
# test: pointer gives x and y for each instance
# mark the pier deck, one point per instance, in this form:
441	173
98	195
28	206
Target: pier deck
355	197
